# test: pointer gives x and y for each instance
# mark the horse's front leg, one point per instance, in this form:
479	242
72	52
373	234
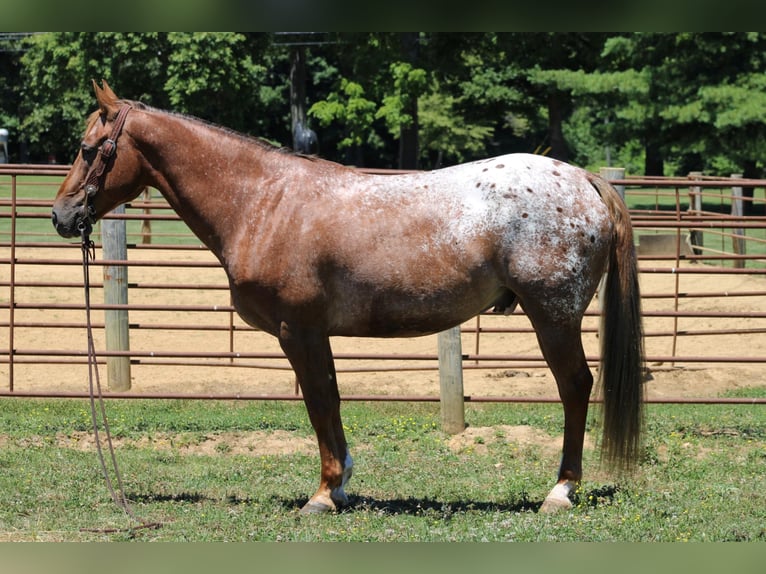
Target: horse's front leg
309	353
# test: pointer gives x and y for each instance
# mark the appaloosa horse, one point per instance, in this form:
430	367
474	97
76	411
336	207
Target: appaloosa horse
313	249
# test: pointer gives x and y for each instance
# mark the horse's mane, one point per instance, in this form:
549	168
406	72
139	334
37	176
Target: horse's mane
262	143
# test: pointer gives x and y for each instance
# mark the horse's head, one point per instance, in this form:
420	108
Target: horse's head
106	171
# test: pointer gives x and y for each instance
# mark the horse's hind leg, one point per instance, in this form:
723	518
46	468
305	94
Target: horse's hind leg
310	355
563	351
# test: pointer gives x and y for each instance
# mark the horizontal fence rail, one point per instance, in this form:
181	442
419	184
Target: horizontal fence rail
180	316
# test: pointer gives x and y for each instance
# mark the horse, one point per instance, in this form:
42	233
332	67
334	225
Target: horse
313	249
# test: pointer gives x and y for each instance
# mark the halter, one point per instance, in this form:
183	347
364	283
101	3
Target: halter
94	180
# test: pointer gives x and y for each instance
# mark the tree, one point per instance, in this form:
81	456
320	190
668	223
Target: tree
226	78
57	70
215	76
405	87
699	104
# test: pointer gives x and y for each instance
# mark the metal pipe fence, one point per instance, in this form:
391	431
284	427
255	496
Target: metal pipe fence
686	228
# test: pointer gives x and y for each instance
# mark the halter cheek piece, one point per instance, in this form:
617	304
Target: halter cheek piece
94	180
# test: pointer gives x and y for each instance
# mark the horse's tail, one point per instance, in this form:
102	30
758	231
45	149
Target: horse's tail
620	380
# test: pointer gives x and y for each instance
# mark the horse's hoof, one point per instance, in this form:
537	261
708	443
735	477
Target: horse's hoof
314	507
554	504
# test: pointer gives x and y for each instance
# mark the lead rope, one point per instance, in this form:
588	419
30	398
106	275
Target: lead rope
94	384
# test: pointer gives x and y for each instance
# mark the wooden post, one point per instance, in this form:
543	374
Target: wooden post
695	206
451	380
612	173
115	247
737	210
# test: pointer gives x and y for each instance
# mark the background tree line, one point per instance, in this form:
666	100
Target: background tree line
655	103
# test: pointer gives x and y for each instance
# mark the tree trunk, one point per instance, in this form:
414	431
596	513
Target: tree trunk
558	103
409	150
654	163
297	89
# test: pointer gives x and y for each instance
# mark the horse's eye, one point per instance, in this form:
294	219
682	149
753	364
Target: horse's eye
88	152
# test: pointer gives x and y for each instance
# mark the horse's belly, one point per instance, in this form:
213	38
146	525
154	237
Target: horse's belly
406	314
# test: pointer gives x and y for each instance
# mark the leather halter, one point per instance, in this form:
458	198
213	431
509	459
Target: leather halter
94	180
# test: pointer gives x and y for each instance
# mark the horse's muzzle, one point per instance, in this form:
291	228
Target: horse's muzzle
71	227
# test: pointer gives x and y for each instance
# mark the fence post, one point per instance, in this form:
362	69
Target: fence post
612	173
737	210
695	206
451	380
115	247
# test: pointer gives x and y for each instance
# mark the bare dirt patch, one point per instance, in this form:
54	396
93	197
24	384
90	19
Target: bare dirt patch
252	443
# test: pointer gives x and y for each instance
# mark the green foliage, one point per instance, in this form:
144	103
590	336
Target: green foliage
658	102
351	108
224	92
445	133
409	83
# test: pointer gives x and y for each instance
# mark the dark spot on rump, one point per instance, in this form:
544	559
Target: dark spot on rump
492	186
559	209
509	196
478	184
571	225
530	190
556	172
485	169
557	162
524	215
500	166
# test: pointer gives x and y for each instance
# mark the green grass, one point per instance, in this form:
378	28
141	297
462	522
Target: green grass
700	478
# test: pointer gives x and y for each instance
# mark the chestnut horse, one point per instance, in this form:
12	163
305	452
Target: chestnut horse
313	249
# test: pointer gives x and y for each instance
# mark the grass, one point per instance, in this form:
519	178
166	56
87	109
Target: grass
700	479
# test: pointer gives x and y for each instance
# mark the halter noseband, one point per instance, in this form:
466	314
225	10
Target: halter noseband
94	180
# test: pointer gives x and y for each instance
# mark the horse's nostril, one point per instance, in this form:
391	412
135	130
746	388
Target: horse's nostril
54	219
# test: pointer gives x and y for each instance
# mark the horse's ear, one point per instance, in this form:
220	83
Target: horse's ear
108	91
106	98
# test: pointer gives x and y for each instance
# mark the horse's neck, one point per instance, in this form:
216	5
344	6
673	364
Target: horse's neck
200	170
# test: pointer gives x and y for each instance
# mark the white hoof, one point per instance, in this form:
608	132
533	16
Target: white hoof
553	505
558	498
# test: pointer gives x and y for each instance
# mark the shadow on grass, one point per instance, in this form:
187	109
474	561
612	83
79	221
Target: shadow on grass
422	506
174	497
599	496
